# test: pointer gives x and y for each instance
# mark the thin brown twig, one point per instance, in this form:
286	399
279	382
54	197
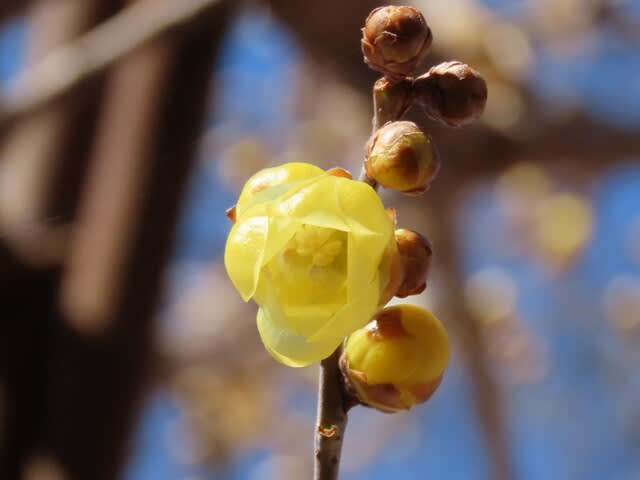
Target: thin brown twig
67	67
390	103
332	397
332	419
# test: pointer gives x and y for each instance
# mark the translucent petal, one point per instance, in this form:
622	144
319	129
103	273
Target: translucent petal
315	203
364	258
353	315
243	254
270	183
366	251
281	230
289	348
302	295
362	208
294	309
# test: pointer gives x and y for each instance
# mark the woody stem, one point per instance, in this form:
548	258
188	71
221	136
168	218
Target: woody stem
332	419
390	103
332	398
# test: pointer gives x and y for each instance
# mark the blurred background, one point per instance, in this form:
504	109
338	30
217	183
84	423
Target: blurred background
128	127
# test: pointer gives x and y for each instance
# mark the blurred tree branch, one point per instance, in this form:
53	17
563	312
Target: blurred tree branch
330	34
58	367
67	67
28	295
487	397
43	161
11	8
576	139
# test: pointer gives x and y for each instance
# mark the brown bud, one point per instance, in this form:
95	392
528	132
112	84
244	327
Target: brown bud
395	40
452	93
231	214
415	257
402	157
391	100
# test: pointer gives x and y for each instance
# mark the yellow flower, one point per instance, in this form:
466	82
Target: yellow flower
398	359
317	253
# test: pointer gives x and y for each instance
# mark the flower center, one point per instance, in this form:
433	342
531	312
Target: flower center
317	242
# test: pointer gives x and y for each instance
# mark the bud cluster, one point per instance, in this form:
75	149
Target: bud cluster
395	41
398	359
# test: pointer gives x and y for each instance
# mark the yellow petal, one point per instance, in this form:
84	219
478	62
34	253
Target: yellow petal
353	315
289	348
364	259
281	230
362	208
314	203
298	307
243	254
270	183
371	233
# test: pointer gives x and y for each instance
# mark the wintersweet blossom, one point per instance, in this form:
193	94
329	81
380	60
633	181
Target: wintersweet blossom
317	253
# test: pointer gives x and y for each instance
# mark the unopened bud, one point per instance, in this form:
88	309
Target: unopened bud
397	360
415	257
402	157
452	93
391	100
395	40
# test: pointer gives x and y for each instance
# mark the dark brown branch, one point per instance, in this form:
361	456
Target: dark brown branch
66	68
73	396
332	419
11	8
44	157
54	137
578	139
154	139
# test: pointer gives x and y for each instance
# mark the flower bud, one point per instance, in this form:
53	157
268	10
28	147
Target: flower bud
415	258
452	93
391	100
395	40
397	360
402	157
